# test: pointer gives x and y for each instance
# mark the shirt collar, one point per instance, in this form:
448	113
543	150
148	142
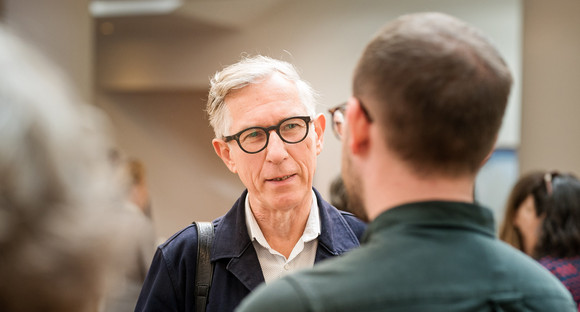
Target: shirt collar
338	233
311	231
434	214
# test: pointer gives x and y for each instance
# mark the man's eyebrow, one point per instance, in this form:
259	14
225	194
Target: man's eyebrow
270	124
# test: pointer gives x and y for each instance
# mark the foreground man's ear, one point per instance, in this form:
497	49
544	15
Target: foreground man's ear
358	127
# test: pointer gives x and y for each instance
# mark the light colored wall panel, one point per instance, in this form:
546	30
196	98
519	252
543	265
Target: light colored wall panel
165	130
63	31
323	38
551	97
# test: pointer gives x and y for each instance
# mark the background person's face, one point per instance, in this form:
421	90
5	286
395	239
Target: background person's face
281	175
528	223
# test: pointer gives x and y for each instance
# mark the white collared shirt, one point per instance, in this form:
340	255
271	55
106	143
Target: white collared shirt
274	264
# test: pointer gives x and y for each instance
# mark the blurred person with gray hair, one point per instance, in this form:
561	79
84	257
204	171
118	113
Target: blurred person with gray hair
266	132
57	190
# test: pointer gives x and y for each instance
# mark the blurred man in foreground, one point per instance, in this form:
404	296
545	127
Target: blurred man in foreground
59	197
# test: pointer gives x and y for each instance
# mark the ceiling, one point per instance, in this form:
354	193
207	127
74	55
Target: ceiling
180	15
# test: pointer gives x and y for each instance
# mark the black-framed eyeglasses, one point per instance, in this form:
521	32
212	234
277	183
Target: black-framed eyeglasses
255	139
337	114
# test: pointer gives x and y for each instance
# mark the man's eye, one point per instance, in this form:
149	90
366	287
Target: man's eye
252	135
291	126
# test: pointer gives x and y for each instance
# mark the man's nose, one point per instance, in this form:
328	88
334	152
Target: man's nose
276	149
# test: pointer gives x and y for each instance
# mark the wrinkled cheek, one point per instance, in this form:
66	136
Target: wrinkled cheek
313	167
247	179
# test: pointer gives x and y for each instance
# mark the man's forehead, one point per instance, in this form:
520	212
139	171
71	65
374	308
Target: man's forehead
267	117
258	104
273	83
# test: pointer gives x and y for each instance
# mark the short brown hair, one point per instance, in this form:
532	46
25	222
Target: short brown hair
439	90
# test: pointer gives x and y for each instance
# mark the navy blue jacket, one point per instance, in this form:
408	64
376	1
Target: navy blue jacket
170	283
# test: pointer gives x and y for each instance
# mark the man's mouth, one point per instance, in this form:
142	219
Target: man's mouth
281	178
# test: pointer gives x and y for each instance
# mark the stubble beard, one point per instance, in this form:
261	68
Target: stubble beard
354	187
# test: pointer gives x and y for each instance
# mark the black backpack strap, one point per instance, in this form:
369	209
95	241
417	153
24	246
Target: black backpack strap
204	268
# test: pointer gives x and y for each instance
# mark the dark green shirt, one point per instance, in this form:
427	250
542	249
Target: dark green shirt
427	256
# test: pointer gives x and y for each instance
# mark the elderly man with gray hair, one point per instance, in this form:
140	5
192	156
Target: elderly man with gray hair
267	132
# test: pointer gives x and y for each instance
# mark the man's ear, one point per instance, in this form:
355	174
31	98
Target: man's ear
319	127
358	127
223	151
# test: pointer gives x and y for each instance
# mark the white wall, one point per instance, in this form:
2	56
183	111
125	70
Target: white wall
323	38
551	97
167	132
62	30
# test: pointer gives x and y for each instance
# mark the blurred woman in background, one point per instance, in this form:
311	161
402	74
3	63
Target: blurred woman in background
524	206
558	245
543	220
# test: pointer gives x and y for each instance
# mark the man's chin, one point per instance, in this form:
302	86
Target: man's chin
287	199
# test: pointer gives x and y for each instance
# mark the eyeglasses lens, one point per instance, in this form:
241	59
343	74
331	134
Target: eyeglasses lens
293	130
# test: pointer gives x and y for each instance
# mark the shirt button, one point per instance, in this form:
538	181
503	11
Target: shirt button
286	267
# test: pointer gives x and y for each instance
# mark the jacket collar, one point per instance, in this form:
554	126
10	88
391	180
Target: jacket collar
232	240
336	236
231	234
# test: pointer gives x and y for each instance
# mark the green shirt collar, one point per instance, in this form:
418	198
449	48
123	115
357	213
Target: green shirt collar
436	214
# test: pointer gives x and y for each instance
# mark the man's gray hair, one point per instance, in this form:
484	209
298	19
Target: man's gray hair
248	71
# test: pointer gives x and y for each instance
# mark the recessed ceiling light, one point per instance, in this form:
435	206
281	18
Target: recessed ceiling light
127	7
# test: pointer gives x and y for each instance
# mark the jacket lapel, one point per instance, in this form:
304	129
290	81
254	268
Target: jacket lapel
336	236
247	268
233	242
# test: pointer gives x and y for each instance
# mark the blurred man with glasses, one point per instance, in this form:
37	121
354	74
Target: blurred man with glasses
267	132
429	94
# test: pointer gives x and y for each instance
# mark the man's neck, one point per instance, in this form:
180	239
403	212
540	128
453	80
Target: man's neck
282	228
397	186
